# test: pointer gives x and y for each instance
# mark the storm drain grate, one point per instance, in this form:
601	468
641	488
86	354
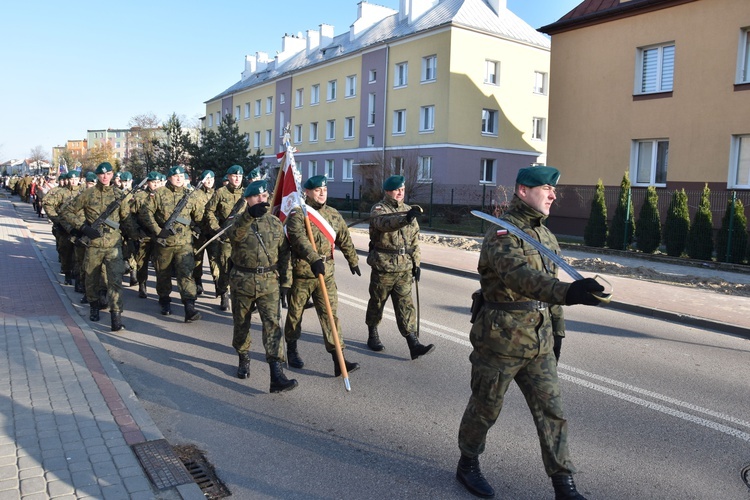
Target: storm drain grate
161	464
746	475
203	473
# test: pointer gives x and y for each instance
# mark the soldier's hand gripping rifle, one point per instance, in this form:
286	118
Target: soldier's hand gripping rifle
229	222
167	229
92	231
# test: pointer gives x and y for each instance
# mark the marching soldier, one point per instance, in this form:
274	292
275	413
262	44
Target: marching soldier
260	264
129	246
307	264
394	257
145	243
174	247
206	192
52	203
218	211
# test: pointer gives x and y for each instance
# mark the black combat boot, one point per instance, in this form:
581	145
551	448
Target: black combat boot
68	279
116	322
224	305
94	310
199	286
350	367
416	349
84	299
166	308
243	369
292	355
142	290
565	488
279	382
133	278
373	340
190	313
103	300
79	285
471	477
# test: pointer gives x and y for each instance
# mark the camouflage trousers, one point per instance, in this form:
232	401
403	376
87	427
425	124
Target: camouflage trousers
110	261
270	314
223	253
491	376
66	251
181	259
302	289
397	286
142	258
213	263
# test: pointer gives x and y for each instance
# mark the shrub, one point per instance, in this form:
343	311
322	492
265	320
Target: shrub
700	239
648	227
622	228
677	225
738	234
595	233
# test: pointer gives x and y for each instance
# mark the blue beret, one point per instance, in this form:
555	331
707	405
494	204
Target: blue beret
393	182
538	176
177	169
153	176
255	188
316	182
90	177
235	169
126	176
103	168
206	173
71	174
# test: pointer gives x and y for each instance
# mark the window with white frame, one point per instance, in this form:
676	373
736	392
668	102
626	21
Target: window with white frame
298	97
491	72
487	174
399	121
330	165
282	98
257	107
331	130
269	105
373	76
210	120
739	168
237	113
370	140
424	168
540	83
331	95
312	168
537	128
429	68
401	75
649	162
351	86
247	110
269	137
489	121
371	109
247	138
427	118
218	118
743	57
347	172
655	69
397	165
349	127
315	94
282	123
256	139
313	131
297	134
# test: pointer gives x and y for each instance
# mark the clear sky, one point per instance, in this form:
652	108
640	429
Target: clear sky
67	67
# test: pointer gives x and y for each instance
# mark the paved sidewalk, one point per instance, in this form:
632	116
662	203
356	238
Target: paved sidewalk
68	419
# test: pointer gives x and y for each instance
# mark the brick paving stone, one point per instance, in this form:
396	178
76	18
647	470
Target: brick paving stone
11	494
8	472
33	485
33	472
59	488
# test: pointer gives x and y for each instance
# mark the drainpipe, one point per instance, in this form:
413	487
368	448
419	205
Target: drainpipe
385	102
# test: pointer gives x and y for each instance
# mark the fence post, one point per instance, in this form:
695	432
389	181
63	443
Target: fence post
359	205
352	207
731	227
432	199
627	220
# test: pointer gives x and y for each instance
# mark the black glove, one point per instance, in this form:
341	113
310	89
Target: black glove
285	293
258	210
580	292
75	233
413	213
416	272
318	268
355	270
89	231
557	346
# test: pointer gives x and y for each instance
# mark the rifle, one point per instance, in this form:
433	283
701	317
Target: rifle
229	222
104	216
167	229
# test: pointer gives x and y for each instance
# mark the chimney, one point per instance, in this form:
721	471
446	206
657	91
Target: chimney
368	15
290	45
251	65
313	40
326	35
414	9
498	6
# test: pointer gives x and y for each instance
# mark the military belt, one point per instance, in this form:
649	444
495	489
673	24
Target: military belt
256	270
395	251
526	305
326	258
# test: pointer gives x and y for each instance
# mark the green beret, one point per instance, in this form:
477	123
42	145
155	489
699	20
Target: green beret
316	182
538	176
118	174
153	176
72	173
254	174
235	169
126	176
393	182
177	169
162	177
90	177
254	188
103	168
206	173
62	177
224	179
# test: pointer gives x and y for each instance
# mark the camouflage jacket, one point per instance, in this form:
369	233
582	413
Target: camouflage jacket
220	206
205	196
137	202
303	253
90	203
246	234
154	214
55	199
394	242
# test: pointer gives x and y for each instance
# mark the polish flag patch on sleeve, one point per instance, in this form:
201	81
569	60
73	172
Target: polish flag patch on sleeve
502	232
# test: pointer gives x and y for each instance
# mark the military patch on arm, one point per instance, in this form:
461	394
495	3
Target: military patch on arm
502	232
377	208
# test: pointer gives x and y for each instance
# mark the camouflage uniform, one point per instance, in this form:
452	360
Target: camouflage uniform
513	342
217	212
304	281
145	243
394	253
212	248
52	203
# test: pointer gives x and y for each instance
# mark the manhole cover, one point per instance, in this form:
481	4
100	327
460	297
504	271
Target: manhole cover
161	464
203	472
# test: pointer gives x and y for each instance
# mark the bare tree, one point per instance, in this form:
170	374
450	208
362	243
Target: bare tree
101	152
397	162
143	134
36	157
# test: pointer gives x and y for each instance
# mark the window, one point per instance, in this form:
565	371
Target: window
401	75
256	139
399	121
247	110
655	71
540	83
349	127
314	132
427	118
331	96
370	140
298	98
282	98
247	138
117	145
330	164
743	68
312	168
351	86
491	72
739	169
331	130
397	165
269	105
348	170
649	162
371	109
315	94
210	121
487	175
373	76
257	107
269	135
489	121
297	134
237	113
424	166
429	68
537	129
